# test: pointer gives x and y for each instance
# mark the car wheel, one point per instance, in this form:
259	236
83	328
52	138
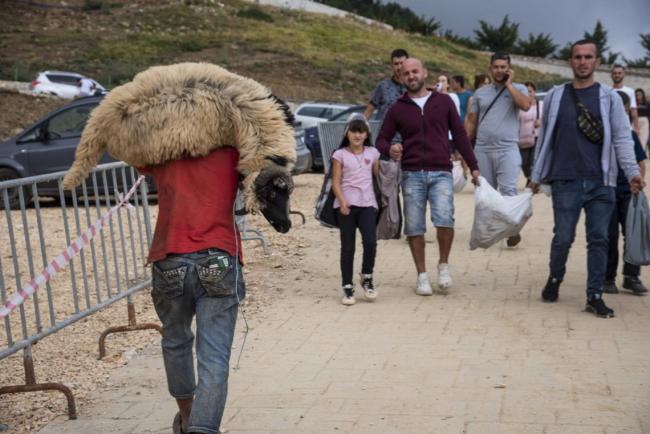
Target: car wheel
14	198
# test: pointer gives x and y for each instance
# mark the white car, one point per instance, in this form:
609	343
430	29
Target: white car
311	113
61	84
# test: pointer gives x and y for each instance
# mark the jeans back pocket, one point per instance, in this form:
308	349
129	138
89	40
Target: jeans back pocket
169	283
216	275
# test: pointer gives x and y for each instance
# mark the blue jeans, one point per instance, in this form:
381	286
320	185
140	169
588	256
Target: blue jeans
201	284
569	198
435	187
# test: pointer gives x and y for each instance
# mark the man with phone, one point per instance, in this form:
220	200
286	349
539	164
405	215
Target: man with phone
493	119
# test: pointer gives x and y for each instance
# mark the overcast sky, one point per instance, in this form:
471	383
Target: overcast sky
565	20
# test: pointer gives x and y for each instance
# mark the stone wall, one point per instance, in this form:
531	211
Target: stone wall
634	78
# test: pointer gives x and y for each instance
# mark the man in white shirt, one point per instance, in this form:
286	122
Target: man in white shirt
618	74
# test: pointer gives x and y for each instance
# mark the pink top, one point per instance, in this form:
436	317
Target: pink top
527	130
356	176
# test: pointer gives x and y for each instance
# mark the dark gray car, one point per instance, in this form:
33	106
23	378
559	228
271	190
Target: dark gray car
47	146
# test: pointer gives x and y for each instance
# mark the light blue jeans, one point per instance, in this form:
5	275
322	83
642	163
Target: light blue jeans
435	187
500	168
200	284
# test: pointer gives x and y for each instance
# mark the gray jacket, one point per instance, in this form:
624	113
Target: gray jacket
389	223
617	142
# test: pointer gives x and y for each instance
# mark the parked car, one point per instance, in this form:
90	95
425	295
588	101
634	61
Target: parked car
48	146
309	114
62	84
312	139
303	155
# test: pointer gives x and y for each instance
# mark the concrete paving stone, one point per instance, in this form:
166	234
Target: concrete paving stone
502	428
625	430
375	423
97	425
531	406
270	419
574	429
595	416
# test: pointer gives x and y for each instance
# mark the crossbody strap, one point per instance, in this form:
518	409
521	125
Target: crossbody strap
491	104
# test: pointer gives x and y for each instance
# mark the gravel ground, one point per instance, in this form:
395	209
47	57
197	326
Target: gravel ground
70	355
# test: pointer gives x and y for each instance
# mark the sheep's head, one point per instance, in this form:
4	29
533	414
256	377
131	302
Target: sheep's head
273	186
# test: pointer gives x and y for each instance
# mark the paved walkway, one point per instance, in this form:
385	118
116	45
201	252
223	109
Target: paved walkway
489	357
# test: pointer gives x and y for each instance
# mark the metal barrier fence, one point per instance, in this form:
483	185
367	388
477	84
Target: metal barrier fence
110	268
331	134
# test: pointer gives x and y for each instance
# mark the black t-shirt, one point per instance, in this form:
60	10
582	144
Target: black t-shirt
642	110
575	157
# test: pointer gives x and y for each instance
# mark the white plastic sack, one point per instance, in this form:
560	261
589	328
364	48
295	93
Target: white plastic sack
459	176
497	217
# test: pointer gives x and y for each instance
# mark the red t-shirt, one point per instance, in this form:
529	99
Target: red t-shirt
195	204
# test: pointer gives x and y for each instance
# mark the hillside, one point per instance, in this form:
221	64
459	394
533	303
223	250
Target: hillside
299	55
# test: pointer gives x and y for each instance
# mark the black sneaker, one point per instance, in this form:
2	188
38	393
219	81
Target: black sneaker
634	284
609	287
551	290
598	307
368	287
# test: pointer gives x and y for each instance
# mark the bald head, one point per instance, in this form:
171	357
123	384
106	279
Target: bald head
413	75
413	62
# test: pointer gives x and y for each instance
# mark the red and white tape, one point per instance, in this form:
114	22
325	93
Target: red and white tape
60	262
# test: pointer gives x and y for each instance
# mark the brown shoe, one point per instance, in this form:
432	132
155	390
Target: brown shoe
513	240
177	425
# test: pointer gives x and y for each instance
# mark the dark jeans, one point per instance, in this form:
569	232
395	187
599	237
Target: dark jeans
527	160
364	218
618	217
569	198
200	284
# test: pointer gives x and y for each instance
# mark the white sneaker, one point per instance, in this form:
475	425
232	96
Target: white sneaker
424	285
444	276
348	295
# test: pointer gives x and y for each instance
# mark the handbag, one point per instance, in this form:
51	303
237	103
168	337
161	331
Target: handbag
324	210
588	124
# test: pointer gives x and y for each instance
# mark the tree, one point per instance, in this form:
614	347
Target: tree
537	46
641	62
500	38
461	40
645	43
611	57
564	53
599	36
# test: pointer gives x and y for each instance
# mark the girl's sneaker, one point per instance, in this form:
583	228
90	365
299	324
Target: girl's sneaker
368	288
348	295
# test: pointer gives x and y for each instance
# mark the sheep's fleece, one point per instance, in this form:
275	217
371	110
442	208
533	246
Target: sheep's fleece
187	110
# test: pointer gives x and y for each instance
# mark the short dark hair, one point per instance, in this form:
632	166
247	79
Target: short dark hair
500	55
618	65
459	79
531	84
399	52
585	42
625	97
479	79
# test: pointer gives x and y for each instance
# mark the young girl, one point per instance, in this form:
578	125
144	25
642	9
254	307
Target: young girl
354	165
